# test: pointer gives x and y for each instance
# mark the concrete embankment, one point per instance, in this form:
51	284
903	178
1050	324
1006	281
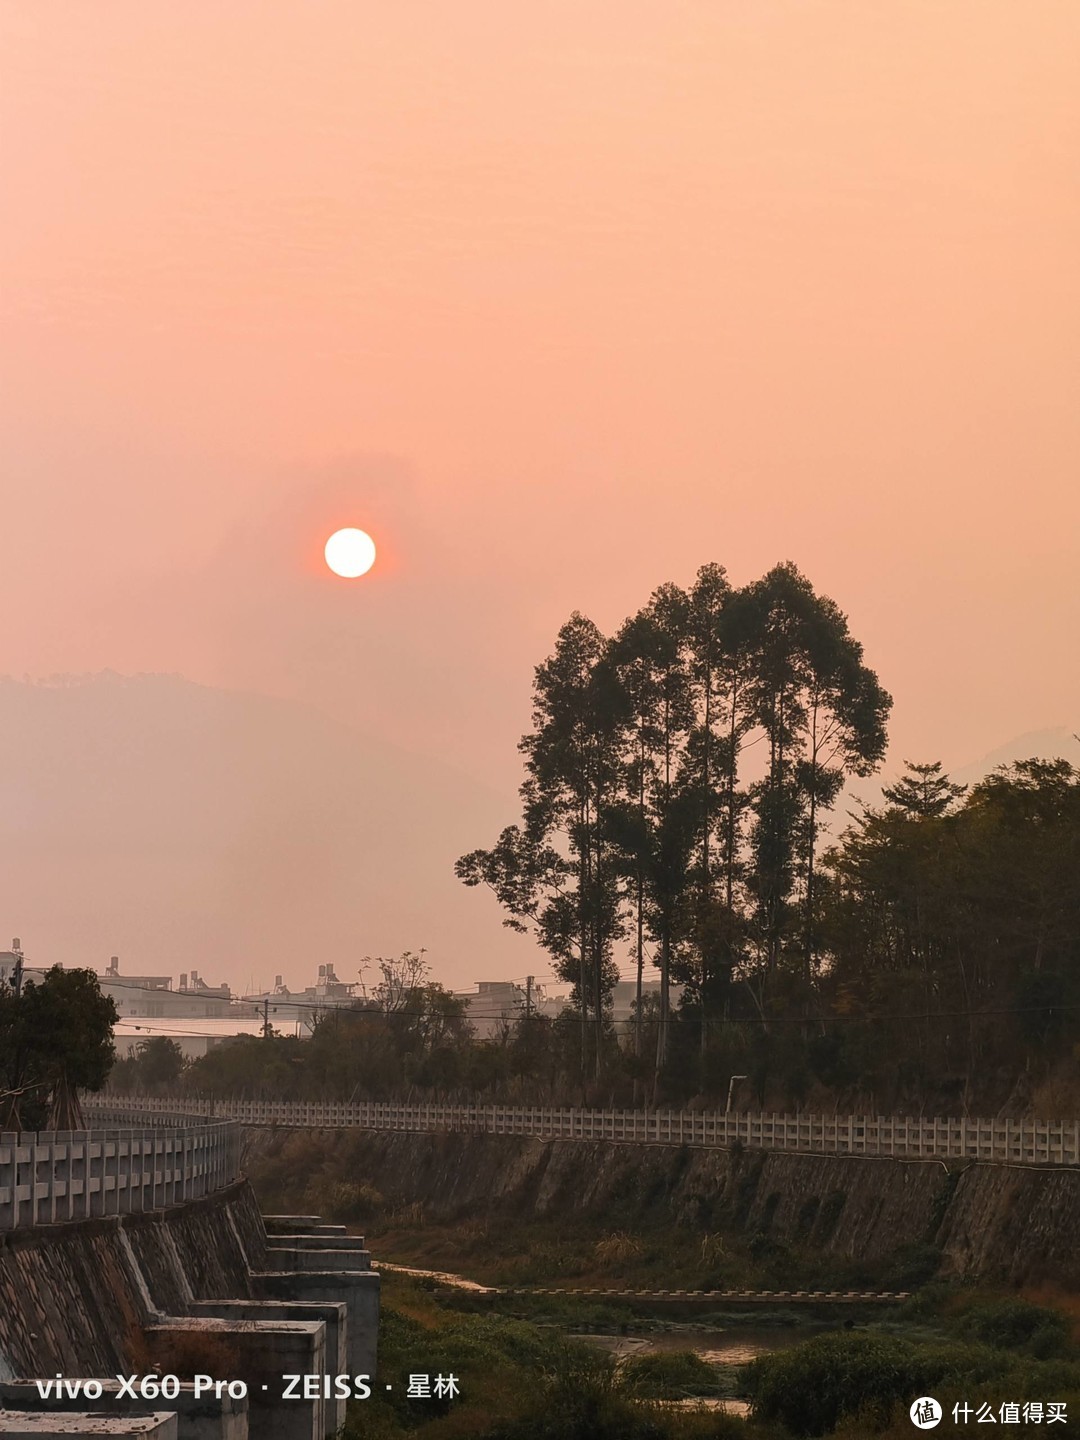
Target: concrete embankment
200	1288
1011	1224
74	1298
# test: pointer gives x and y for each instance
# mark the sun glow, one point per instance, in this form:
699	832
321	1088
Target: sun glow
350	553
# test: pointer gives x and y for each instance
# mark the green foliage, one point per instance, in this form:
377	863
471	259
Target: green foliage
933	958
640	817
940	912
157	1065
910	1266
412	1032
668	1375
1020	1326
518	1381
810	1388
579	1398
870	1378
924	793
583	1395
344	1203
55	1039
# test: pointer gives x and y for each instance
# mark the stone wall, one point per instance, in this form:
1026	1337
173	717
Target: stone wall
1017	1225
1014	1224
74	1298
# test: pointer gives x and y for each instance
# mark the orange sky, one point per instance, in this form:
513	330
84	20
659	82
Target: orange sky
559	301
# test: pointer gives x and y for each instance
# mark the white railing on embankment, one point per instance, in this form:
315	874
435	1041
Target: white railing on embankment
1038	1142
50	1177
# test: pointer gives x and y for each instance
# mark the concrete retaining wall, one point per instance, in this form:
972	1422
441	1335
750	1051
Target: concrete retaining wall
196	1285
1015	1224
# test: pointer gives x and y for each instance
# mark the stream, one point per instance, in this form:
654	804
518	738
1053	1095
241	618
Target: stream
732	1346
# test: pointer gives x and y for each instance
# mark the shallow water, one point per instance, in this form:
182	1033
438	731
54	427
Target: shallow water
726	1407
733	1346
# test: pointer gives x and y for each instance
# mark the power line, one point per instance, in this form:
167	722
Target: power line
367	1013
249	1009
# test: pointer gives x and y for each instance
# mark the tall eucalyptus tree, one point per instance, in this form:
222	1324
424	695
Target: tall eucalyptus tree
722	698
639	656
561	868
638	805
823	714
657	821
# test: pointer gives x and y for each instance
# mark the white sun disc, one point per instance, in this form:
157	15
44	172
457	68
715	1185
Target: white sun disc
350	553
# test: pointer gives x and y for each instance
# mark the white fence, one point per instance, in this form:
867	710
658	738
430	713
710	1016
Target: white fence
50	1177
1019	1141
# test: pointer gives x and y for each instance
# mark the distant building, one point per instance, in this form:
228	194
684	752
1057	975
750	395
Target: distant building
497	1004
624	997
8	960
196	1015
153	995
492	1006
302	1006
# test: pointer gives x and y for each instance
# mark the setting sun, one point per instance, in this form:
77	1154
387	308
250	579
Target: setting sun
350	553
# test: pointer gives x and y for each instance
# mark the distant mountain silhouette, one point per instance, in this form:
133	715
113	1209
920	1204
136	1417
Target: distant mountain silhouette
1051	744
1058	743
180	826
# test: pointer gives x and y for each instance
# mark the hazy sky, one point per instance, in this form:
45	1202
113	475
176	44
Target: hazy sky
560	301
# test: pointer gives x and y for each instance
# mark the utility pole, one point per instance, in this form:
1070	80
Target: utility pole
266	1018
528	1018
10	1117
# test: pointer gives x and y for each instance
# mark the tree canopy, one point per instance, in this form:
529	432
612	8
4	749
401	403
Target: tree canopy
55	1039
647	813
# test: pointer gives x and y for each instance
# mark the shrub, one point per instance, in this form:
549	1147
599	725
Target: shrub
667	1375
1018	1325
911	1266
345	1203
580	1399
812	1387
617	1248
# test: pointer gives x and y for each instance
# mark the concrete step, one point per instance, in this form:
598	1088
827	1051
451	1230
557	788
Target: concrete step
266	1351
27	1425
317	1241
202	1417
291	1224
284	1256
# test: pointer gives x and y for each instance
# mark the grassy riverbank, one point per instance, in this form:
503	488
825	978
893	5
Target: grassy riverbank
526	1381
849	1372
586	1254
531	1380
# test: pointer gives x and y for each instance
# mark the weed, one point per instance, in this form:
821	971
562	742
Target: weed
617	1249
667	1375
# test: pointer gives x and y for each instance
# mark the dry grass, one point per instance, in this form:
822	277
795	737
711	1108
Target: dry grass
188	1353
1065	1302
1058	1096
618	1248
